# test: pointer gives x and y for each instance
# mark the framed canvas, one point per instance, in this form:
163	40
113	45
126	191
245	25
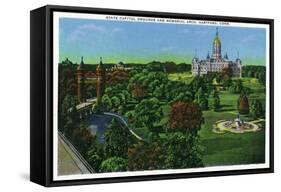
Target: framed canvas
122	95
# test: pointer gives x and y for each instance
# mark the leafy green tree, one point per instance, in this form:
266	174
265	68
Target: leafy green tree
159	91
117	140
216	103
122	98
95	161
82	138
183	96
198	83
226	81
96	155
256	109
131	115
70	114
261	77
115	102
201	99
114	164
236	87
181	151
147	113
106	102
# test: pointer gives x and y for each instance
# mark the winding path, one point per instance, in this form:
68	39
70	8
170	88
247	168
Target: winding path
123	120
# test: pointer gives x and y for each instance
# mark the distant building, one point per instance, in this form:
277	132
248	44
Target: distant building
216	63
118	67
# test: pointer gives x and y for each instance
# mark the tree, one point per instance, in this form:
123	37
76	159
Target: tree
115	102
159	91
96	155
185	116
181	151
82	138
70	115
216	103
256	109
147	113
262	78
117	140
106	102
198	83
139	92
201	99
144	156
236	87
243	104
226	81
114	164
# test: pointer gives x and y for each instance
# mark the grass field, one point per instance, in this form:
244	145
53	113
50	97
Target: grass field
231	148
185	77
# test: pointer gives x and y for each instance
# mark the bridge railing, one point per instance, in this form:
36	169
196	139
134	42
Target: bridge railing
77	153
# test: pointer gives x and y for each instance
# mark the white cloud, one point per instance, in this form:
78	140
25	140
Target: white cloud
92	27
169	48
82	30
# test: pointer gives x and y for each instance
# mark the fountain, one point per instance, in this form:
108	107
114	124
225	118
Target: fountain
236	125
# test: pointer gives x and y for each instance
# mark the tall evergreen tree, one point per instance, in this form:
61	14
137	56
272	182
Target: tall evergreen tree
243	104
216	103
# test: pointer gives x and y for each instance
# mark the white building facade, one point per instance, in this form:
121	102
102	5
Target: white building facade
216	63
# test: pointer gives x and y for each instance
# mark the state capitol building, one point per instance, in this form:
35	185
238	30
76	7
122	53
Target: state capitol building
216	63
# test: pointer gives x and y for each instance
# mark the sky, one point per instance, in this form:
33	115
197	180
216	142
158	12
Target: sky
138	42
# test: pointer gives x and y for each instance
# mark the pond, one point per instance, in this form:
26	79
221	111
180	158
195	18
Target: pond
98	124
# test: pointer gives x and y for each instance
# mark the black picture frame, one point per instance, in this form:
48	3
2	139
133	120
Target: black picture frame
41	81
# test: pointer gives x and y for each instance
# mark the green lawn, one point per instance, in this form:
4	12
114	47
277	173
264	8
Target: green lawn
185	77
230	148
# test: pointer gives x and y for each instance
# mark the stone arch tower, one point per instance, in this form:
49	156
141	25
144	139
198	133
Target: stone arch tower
81	82
100	71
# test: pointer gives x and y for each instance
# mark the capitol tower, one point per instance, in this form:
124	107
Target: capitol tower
216	46
216	63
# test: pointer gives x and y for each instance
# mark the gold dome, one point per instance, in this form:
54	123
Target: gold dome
217	40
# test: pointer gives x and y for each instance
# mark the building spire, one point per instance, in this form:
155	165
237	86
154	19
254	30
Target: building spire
217	31
237	54
195	53
82	60
100	60
225	55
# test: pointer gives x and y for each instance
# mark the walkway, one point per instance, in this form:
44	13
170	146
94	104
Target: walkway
70	161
